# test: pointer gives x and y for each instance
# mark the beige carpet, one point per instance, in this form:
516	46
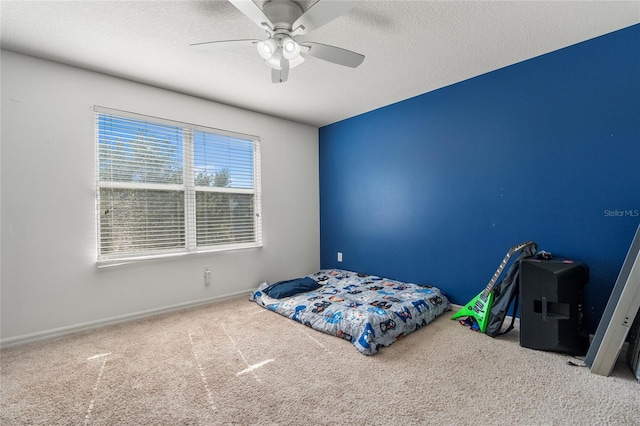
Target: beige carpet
236	363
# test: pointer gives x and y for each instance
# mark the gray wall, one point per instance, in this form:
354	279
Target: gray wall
50	284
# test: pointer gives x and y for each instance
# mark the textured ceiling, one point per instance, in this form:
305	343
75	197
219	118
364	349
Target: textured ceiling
411	47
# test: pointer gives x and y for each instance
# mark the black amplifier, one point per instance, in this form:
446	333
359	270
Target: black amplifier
552	305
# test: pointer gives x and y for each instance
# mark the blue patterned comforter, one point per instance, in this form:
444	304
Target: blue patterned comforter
367	310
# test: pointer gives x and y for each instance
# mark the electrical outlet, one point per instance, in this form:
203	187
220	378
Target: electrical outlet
207	276
339	257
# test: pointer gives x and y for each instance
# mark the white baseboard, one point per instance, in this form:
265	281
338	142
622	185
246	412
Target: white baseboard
63	331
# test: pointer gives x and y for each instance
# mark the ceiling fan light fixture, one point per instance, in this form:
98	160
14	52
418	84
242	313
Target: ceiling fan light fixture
274	62
290	49
296	61
267	48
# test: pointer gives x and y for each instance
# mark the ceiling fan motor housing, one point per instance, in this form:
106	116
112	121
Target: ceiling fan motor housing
282	13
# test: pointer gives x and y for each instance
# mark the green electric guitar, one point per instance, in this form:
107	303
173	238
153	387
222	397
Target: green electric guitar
480	306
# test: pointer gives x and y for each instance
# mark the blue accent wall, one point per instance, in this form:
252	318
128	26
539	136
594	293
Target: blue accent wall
436	188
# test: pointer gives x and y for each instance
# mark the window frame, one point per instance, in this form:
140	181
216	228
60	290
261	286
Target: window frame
188	187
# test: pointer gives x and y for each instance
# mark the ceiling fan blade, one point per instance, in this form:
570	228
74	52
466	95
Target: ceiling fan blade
224	44
322	12
281	75
284	69
253	12
334	54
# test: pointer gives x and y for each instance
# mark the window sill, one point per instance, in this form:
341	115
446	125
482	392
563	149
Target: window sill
128	260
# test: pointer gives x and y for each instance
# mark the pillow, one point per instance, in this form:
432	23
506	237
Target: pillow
289	288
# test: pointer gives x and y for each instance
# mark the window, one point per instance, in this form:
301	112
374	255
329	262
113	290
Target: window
167	188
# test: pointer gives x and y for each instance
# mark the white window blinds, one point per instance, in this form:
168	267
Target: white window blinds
167	188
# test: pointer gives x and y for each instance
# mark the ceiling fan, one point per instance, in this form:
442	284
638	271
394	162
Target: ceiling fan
284	20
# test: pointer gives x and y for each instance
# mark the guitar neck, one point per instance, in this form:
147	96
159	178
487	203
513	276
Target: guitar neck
494	279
